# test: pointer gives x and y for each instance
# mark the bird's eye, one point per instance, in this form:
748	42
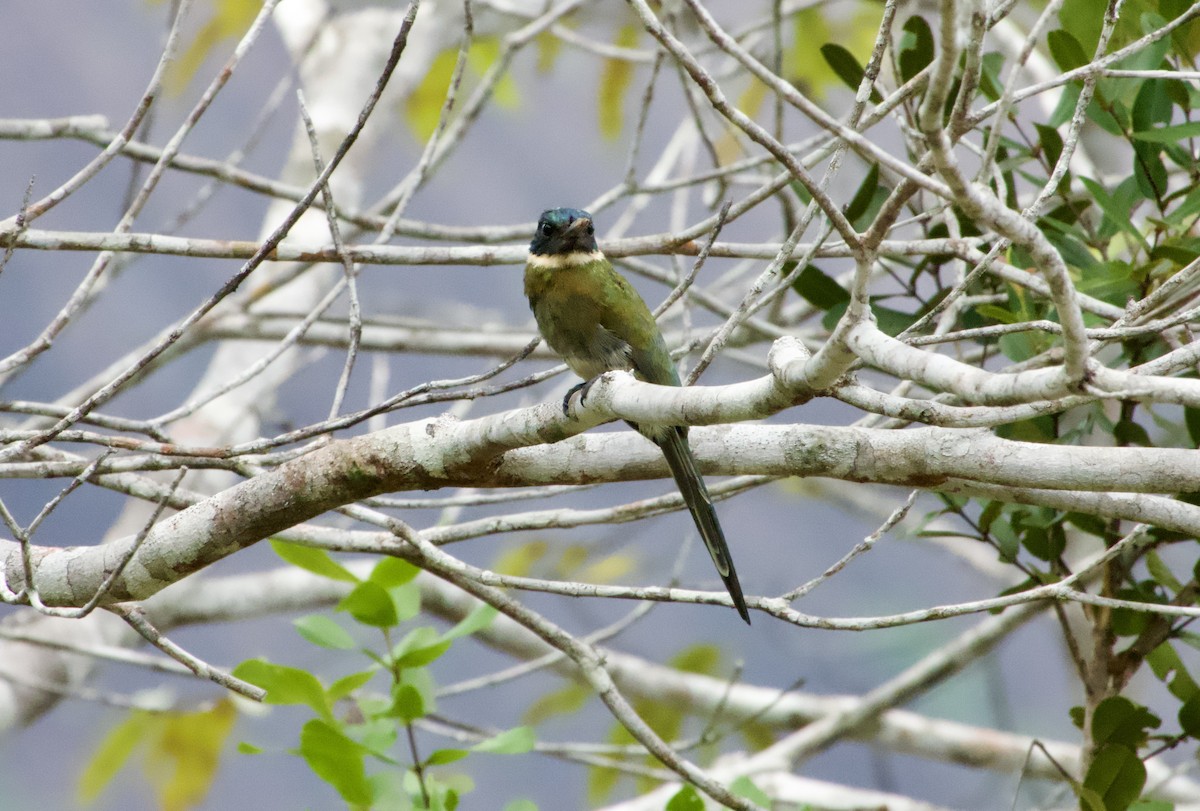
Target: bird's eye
590	229
545	229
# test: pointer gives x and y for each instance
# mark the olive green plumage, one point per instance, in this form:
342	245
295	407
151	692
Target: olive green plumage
591	316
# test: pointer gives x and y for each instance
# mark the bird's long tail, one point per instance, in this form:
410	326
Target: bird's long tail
674	444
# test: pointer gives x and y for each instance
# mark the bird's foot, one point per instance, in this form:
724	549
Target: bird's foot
582	389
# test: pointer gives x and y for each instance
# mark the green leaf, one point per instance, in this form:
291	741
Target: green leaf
313	560
337	760
1152	805
1151	106
686	799
702	659
1162	573
1115	210
348	684
402	701
1045	543
390	572
1166	665
1189	716
744	787
440	757
846	67
408	704
1118	720
323	631
916	47
516	741
1117	775
1169	135
819	289
419	647
521	805
480	617
867	200
286	685
1068	54
1191	418
565	701
370	604
1050	142
1127	432
245	748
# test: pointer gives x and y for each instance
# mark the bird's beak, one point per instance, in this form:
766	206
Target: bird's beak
578	225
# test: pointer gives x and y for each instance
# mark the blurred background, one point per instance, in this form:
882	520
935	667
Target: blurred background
544	146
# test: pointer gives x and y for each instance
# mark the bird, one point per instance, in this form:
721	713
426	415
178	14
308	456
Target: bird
597	322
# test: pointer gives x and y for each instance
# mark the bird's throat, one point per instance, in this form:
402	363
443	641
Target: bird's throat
558	261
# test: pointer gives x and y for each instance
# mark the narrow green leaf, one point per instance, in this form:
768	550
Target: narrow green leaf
565	701
1169	135
245	748
480	617
1118	214
440	757
1050	141
1191	418
1161	572
867	191
516	741
846	67
313	560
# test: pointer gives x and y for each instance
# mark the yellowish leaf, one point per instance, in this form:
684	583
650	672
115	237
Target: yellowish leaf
548	48
568	700
230	19
615	79
182	763
423	107
113	753
608	569
520	560
482	55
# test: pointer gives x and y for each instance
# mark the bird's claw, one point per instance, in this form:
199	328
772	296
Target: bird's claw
582	389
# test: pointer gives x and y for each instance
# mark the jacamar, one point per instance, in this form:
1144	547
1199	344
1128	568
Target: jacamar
591	316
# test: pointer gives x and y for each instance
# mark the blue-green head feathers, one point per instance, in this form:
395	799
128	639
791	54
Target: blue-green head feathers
563	231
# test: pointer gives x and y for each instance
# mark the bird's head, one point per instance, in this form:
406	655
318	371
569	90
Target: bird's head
563	231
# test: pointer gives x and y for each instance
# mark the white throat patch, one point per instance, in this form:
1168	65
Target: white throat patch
558	261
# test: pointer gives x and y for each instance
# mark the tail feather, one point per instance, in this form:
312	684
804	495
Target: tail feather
674	444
